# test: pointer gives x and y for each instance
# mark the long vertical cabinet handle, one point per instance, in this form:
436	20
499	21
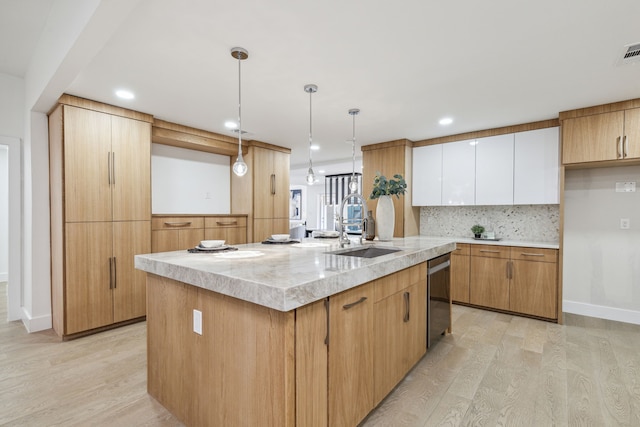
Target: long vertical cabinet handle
113	168
273	183
508	272
625	147
115	273
619	146
110	273
326	309
407	306
109	166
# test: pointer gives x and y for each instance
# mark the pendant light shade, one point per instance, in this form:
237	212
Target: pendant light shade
310	89
239	167
353	182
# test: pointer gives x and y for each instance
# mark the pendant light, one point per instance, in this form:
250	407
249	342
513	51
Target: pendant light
310	89
239	167
353	182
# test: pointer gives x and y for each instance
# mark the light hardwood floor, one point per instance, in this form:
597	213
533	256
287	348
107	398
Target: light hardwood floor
495	369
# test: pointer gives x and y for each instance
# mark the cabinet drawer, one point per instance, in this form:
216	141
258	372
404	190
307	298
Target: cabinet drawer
534	254
225	221
462	249
176	222
491	251
395	282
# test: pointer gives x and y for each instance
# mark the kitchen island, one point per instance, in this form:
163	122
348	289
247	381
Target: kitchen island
284	334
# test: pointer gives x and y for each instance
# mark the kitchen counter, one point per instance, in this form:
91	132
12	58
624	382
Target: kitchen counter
288	276
519	243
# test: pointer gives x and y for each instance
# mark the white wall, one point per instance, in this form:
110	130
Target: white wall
189	181
601	276
4	213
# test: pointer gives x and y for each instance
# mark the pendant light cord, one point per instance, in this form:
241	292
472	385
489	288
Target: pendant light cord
310	129
239	106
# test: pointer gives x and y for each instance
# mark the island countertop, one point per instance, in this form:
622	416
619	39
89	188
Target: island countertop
288	276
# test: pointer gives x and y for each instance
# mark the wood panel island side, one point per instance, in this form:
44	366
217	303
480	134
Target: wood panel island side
289	335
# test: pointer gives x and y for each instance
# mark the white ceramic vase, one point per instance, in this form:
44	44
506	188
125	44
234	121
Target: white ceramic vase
385	218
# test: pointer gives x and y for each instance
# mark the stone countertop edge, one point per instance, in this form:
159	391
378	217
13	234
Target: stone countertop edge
519	243
287	277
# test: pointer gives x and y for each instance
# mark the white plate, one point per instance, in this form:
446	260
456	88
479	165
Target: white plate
217	248
240	254
310	245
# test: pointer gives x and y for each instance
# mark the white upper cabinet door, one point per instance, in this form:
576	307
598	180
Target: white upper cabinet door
458	173
537	167
427	176
494	170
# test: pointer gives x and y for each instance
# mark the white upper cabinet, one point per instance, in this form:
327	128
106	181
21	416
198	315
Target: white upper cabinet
494	170
427	176
536	167
458	173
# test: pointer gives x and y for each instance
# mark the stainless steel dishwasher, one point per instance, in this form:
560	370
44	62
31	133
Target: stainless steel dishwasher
438	298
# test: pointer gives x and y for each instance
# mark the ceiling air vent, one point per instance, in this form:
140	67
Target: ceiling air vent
630	54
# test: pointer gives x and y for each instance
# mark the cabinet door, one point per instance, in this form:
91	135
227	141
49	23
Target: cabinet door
459	173
592	138
427	176
130	238
632	133
460	264
87	159
165	240
489	283
131	163
88	295
536	164
264	182
281	185
232	236
350	356
534	282
494	170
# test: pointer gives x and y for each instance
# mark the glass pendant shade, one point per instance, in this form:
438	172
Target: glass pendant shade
240	167
353	184
310	177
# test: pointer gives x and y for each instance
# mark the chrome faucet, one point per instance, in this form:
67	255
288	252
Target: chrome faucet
344	238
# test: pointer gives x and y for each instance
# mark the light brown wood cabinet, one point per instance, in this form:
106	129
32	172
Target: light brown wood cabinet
400	319
263	192
516	279
390	158
174	233
100	213
318	365
601	137
460	265
351	356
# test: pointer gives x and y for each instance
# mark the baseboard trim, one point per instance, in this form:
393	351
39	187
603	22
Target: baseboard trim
35	324
601	312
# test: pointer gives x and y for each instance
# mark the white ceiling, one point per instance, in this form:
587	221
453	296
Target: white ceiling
405	64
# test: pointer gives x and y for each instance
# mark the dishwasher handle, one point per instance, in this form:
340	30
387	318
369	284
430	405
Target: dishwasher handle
441	266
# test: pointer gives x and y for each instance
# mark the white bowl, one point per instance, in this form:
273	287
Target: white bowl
279	237
211	243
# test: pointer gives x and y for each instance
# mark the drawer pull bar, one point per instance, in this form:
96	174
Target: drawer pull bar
407	306
353	304
227	223
488	251
178	224
530	254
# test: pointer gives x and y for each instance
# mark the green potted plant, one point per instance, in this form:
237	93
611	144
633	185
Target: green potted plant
477	231
383	189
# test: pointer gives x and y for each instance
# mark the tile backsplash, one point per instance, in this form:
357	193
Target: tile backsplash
535	223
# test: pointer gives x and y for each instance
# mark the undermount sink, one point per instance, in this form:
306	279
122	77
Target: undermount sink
370	252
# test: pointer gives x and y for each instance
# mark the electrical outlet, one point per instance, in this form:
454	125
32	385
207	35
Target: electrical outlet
625	223
197	322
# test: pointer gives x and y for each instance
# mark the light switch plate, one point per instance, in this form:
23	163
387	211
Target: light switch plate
625	223
197	322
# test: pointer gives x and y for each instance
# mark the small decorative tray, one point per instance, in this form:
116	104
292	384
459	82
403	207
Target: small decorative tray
223	248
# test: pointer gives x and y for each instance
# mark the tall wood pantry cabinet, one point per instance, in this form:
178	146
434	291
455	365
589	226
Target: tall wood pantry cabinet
100	178
264	191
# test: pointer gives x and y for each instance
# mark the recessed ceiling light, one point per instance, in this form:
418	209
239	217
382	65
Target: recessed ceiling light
230	125
446	121
315	147
124	94
321	171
